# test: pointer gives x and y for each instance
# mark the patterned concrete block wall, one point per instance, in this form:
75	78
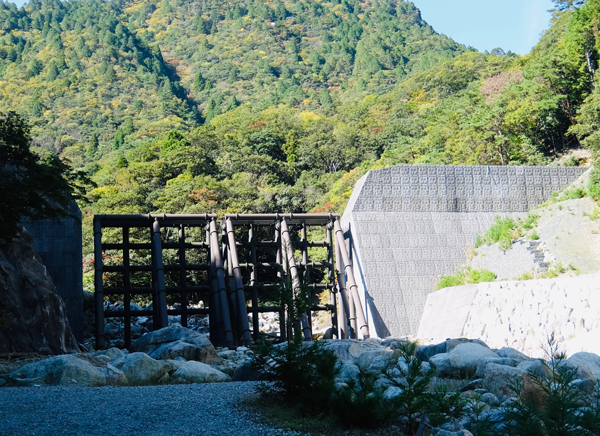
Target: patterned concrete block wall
59	243
519	314
410	224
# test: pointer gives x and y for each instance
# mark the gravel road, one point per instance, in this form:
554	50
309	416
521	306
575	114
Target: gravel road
198	409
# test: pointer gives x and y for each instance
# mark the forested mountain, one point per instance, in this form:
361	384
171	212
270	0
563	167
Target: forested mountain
82	69
218	106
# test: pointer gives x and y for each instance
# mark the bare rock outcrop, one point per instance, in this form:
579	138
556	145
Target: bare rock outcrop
32	315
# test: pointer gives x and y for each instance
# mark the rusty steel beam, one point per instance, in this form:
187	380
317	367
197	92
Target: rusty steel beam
317	219
351	282
346	315
146	220
98	286
239	285
160	299
222	291
293	268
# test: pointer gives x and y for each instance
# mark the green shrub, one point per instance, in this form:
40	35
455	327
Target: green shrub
413	401
572	194
301	373
360	405
466	276
531	221
553	405
504	230
594	183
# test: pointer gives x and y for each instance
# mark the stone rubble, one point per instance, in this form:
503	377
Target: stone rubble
176	355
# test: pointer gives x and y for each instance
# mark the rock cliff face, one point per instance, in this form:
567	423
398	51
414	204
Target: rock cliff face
32	316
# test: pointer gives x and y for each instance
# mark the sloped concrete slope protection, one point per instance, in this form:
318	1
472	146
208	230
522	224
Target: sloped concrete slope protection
410	224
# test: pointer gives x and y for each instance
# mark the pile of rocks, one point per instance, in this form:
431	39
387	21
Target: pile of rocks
484	376
173	355
176	355
115	332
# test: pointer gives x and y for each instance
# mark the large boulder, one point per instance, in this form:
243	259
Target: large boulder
377	361
177	341
426	352
511	353
32	316
349	350
587	364
501	379
197	372
462	361
110	355
141	369
67	370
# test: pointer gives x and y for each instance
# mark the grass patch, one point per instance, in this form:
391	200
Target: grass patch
593	215
505	230
289	416
466	276
594	183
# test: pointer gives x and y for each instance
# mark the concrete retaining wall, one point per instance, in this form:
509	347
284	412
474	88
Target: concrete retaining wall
59	243
410	224
519	314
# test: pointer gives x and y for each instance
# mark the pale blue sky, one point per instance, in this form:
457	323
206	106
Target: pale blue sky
514	25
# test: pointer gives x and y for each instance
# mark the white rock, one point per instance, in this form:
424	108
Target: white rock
197	372
462	361
142	370
349	350
392	392
348	372
536	367
587	364
176	341
499	378
377	358
512	353
67	370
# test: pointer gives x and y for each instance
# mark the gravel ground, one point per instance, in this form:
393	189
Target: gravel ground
198	409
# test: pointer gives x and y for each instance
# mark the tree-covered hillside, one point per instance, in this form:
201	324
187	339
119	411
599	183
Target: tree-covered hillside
217	106
83	69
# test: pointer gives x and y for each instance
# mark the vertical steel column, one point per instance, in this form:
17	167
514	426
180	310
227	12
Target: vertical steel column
304	247
214	242
160	298
330	280
339	237
239	285
127	287
347	309
253	283
217	336
287	247
280	270
229	282
98	285
183	275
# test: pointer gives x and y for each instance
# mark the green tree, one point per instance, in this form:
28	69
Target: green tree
31	186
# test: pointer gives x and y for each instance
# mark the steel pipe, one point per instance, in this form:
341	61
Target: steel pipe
222	293
98	285
346	314
291	262
160	299
339	239
239	285
272	218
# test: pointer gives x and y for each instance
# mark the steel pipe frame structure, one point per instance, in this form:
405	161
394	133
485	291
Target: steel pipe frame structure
350	311
158	290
